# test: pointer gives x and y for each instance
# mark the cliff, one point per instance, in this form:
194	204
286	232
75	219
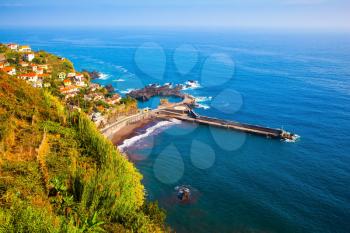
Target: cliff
59	174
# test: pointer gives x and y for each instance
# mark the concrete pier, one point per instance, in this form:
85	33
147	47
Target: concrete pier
183	111
190	116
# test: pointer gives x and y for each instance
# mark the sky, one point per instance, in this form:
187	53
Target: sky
275	14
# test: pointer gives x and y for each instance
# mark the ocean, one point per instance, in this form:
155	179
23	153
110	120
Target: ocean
239	183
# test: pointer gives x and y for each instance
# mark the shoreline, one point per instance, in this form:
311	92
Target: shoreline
129	131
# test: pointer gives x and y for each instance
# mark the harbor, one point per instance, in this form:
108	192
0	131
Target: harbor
184	111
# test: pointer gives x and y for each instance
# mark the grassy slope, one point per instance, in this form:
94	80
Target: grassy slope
59	174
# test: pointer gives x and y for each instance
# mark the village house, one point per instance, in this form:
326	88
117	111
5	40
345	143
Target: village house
31	77
38	83
69	90
81	84
40	71
114	99
43	75
23	64
4	64
9	70
78	77
94	97
79	80
67	82
71	75
94	86
43	66
34	67
12	46
24	49
29	56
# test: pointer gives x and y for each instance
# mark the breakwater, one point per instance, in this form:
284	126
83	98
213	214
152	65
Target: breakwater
190	116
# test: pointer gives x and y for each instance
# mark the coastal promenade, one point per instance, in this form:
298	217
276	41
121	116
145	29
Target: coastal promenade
111	129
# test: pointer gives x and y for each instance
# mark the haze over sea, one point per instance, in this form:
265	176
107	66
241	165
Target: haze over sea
240	183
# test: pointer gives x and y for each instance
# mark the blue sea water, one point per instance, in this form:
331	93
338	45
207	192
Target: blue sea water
240	183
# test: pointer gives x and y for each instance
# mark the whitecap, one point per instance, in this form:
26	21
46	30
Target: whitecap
201	99
127	91
121	69
191	85
160	125
119	80
204	106
103	76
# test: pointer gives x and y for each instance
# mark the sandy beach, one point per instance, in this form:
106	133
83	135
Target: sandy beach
129	131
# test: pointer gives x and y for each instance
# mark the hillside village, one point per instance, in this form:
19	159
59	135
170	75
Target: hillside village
58	173
56	74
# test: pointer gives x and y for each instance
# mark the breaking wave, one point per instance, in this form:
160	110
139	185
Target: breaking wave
119	80
127	91
160	125
201	99
191	85
204	106
103	76
296	138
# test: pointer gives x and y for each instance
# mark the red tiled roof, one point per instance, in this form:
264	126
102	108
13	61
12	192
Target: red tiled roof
43	75
8	68
29	75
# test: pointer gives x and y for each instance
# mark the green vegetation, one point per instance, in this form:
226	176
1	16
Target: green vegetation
59	174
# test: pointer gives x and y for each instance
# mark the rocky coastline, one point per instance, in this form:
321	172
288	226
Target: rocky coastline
152	90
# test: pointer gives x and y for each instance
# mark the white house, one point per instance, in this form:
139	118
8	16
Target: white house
80	84
70	75
12	46
94	86
34	67
38	83
43	66
40	71
31	77
29	56
78	77
24	64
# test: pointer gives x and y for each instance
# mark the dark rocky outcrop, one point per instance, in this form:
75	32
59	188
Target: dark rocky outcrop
110	88
93	74
150	91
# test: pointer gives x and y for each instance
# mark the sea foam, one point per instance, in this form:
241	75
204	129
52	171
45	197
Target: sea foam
127	91
160	125
119	80
103	76
191	85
